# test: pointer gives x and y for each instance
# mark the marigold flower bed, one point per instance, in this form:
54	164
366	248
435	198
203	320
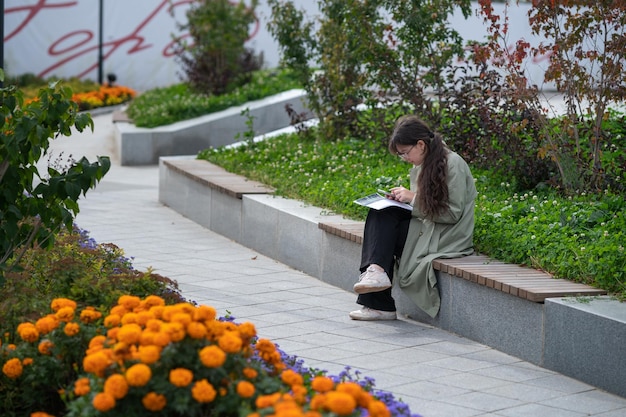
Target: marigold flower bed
143	356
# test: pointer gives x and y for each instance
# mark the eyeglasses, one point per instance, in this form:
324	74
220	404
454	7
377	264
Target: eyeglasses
403	155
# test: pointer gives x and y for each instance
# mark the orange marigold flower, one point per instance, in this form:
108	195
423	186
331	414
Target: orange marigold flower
97	342
154	300
149	354
247	330
203	392
97	362
117	386
112	333
340	403
138	375
40	414
245	389
157	311
378	409
129	333
143	317
47	324
351	388
311	413
59	303
71	329
13	368
176	331
250	373
28	332
291	377
215	329
154	402
318	401
90	315
181	377
112	320
196	330
131	317
81	386
322	384
204	313
264	401
65	314
118	310
162	339
147	338
45	347
230	342
129	302
27	361
364	399
103	402
182	318
212	356
287	407
299	393
154	324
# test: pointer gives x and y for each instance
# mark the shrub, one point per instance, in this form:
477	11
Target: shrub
75	267
367	52
216	60
35	205
585	44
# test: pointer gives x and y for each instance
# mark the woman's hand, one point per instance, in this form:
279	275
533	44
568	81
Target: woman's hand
402	195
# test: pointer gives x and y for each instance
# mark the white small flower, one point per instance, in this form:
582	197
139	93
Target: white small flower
533	237
582	248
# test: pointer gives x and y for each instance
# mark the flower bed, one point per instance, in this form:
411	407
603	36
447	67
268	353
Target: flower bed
143	356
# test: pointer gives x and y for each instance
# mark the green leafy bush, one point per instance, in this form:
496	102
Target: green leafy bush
34	205
216	60
167	105
75	267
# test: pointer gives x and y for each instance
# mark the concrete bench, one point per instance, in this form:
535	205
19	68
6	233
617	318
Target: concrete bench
206	193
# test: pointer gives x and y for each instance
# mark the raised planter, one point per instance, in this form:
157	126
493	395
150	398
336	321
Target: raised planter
582	337
143	146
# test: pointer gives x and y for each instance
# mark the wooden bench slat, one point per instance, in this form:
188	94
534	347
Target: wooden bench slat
517	280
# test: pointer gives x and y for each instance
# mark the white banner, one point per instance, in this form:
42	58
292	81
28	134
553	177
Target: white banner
61	38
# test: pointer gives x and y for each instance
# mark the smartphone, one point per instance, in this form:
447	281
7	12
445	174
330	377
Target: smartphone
386	193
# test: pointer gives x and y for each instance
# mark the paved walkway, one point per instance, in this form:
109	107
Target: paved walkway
435	372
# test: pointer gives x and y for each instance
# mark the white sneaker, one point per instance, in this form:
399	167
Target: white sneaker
369	314
372	280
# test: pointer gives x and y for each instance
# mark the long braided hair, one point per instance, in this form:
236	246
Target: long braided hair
432	188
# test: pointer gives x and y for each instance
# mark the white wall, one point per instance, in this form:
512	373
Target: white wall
60	37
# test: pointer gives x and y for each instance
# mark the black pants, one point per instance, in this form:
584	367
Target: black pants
383	240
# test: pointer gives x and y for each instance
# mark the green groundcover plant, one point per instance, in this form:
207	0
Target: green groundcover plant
166	105
579	237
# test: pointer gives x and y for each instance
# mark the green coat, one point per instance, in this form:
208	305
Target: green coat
448	236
